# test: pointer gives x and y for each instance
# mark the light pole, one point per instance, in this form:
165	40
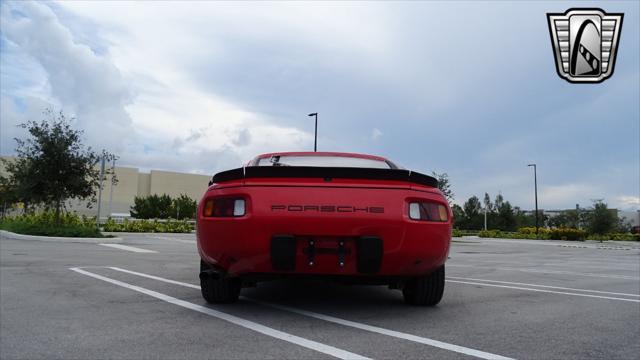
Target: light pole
315	140
485	217
113	168
100	190
535	184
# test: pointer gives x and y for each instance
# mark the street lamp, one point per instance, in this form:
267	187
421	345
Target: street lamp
102	160
113	169
535	183
315	141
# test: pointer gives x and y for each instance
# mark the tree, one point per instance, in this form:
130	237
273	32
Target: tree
7	195
11	190
152	207
183	207
601	220
458	216
444	185
53	165
487	203
569	218
499	201
473	218
523	219
506	219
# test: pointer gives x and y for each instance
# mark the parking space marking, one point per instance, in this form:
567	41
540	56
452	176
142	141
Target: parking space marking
383	331
128	248
539	271
348	323
169	281
173	239
309	344
542	286
542	290
618	266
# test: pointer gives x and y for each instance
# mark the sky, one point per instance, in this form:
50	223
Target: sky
466	88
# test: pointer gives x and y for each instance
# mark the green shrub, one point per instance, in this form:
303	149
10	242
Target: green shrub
531	230
169	226
44	224
500	234
615	236
459	232
526	234
489	233
567	234
163	207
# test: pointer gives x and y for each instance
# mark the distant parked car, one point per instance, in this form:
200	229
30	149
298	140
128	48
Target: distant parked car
635	229
349	217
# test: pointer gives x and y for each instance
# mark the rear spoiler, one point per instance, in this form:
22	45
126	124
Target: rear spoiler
324	173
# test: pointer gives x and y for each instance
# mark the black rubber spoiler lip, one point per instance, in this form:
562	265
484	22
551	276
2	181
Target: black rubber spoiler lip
324	173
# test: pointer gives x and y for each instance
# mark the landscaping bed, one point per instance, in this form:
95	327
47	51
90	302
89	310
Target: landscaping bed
45	224
163	226
569	234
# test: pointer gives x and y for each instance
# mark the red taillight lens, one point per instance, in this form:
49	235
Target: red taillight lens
224	207
428	211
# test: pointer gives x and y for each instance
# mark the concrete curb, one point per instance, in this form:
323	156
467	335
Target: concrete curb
9	235
145	233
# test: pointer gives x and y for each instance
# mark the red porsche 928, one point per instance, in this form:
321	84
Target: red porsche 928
350	217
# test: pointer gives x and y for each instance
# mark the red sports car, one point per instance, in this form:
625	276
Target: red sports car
350	217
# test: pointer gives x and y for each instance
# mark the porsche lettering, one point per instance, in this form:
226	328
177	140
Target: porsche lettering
329	208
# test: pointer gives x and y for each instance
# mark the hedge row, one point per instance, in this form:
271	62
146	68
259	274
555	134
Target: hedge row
169	226
44	224
570	234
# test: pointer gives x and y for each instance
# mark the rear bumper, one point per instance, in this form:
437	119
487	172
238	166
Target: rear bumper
311	246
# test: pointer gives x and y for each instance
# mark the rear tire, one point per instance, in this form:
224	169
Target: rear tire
218	291
425	290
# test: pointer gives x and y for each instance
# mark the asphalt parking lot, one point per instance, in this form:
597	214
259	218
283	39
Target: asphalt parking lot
516	299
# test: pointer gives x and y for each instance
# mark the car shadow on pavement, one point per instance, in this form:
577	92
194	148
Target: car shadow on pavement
319	294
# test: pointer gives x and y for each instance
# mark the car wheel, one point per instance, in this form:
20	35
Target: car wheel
425	290
216	291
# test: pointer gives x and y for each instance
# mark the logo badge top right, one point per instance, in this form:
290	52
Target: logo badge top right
585	43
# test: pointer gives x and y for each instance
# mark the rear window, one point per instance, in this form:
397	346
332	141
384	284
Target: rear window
323	161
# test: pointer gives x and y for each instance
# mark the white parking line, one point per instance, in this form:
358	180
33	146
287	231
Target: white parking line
541	290
128	248
616	265
543	271
383	331
309	344
542	286
174	282
353	324
173	239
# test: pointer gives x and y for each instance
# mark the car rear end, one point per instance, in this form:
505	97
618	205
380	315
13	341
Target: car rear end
363	224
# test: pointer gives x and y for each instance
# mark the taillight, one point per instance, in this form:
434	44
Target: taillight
224	207
428	211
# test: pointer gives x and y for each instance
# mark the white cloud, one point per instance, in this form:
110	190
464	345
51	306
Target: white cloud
628	202
84	84
136	99
554	196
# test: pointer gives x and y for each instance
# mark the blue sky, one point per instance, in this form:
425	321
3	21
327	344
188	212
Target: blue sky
467	88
